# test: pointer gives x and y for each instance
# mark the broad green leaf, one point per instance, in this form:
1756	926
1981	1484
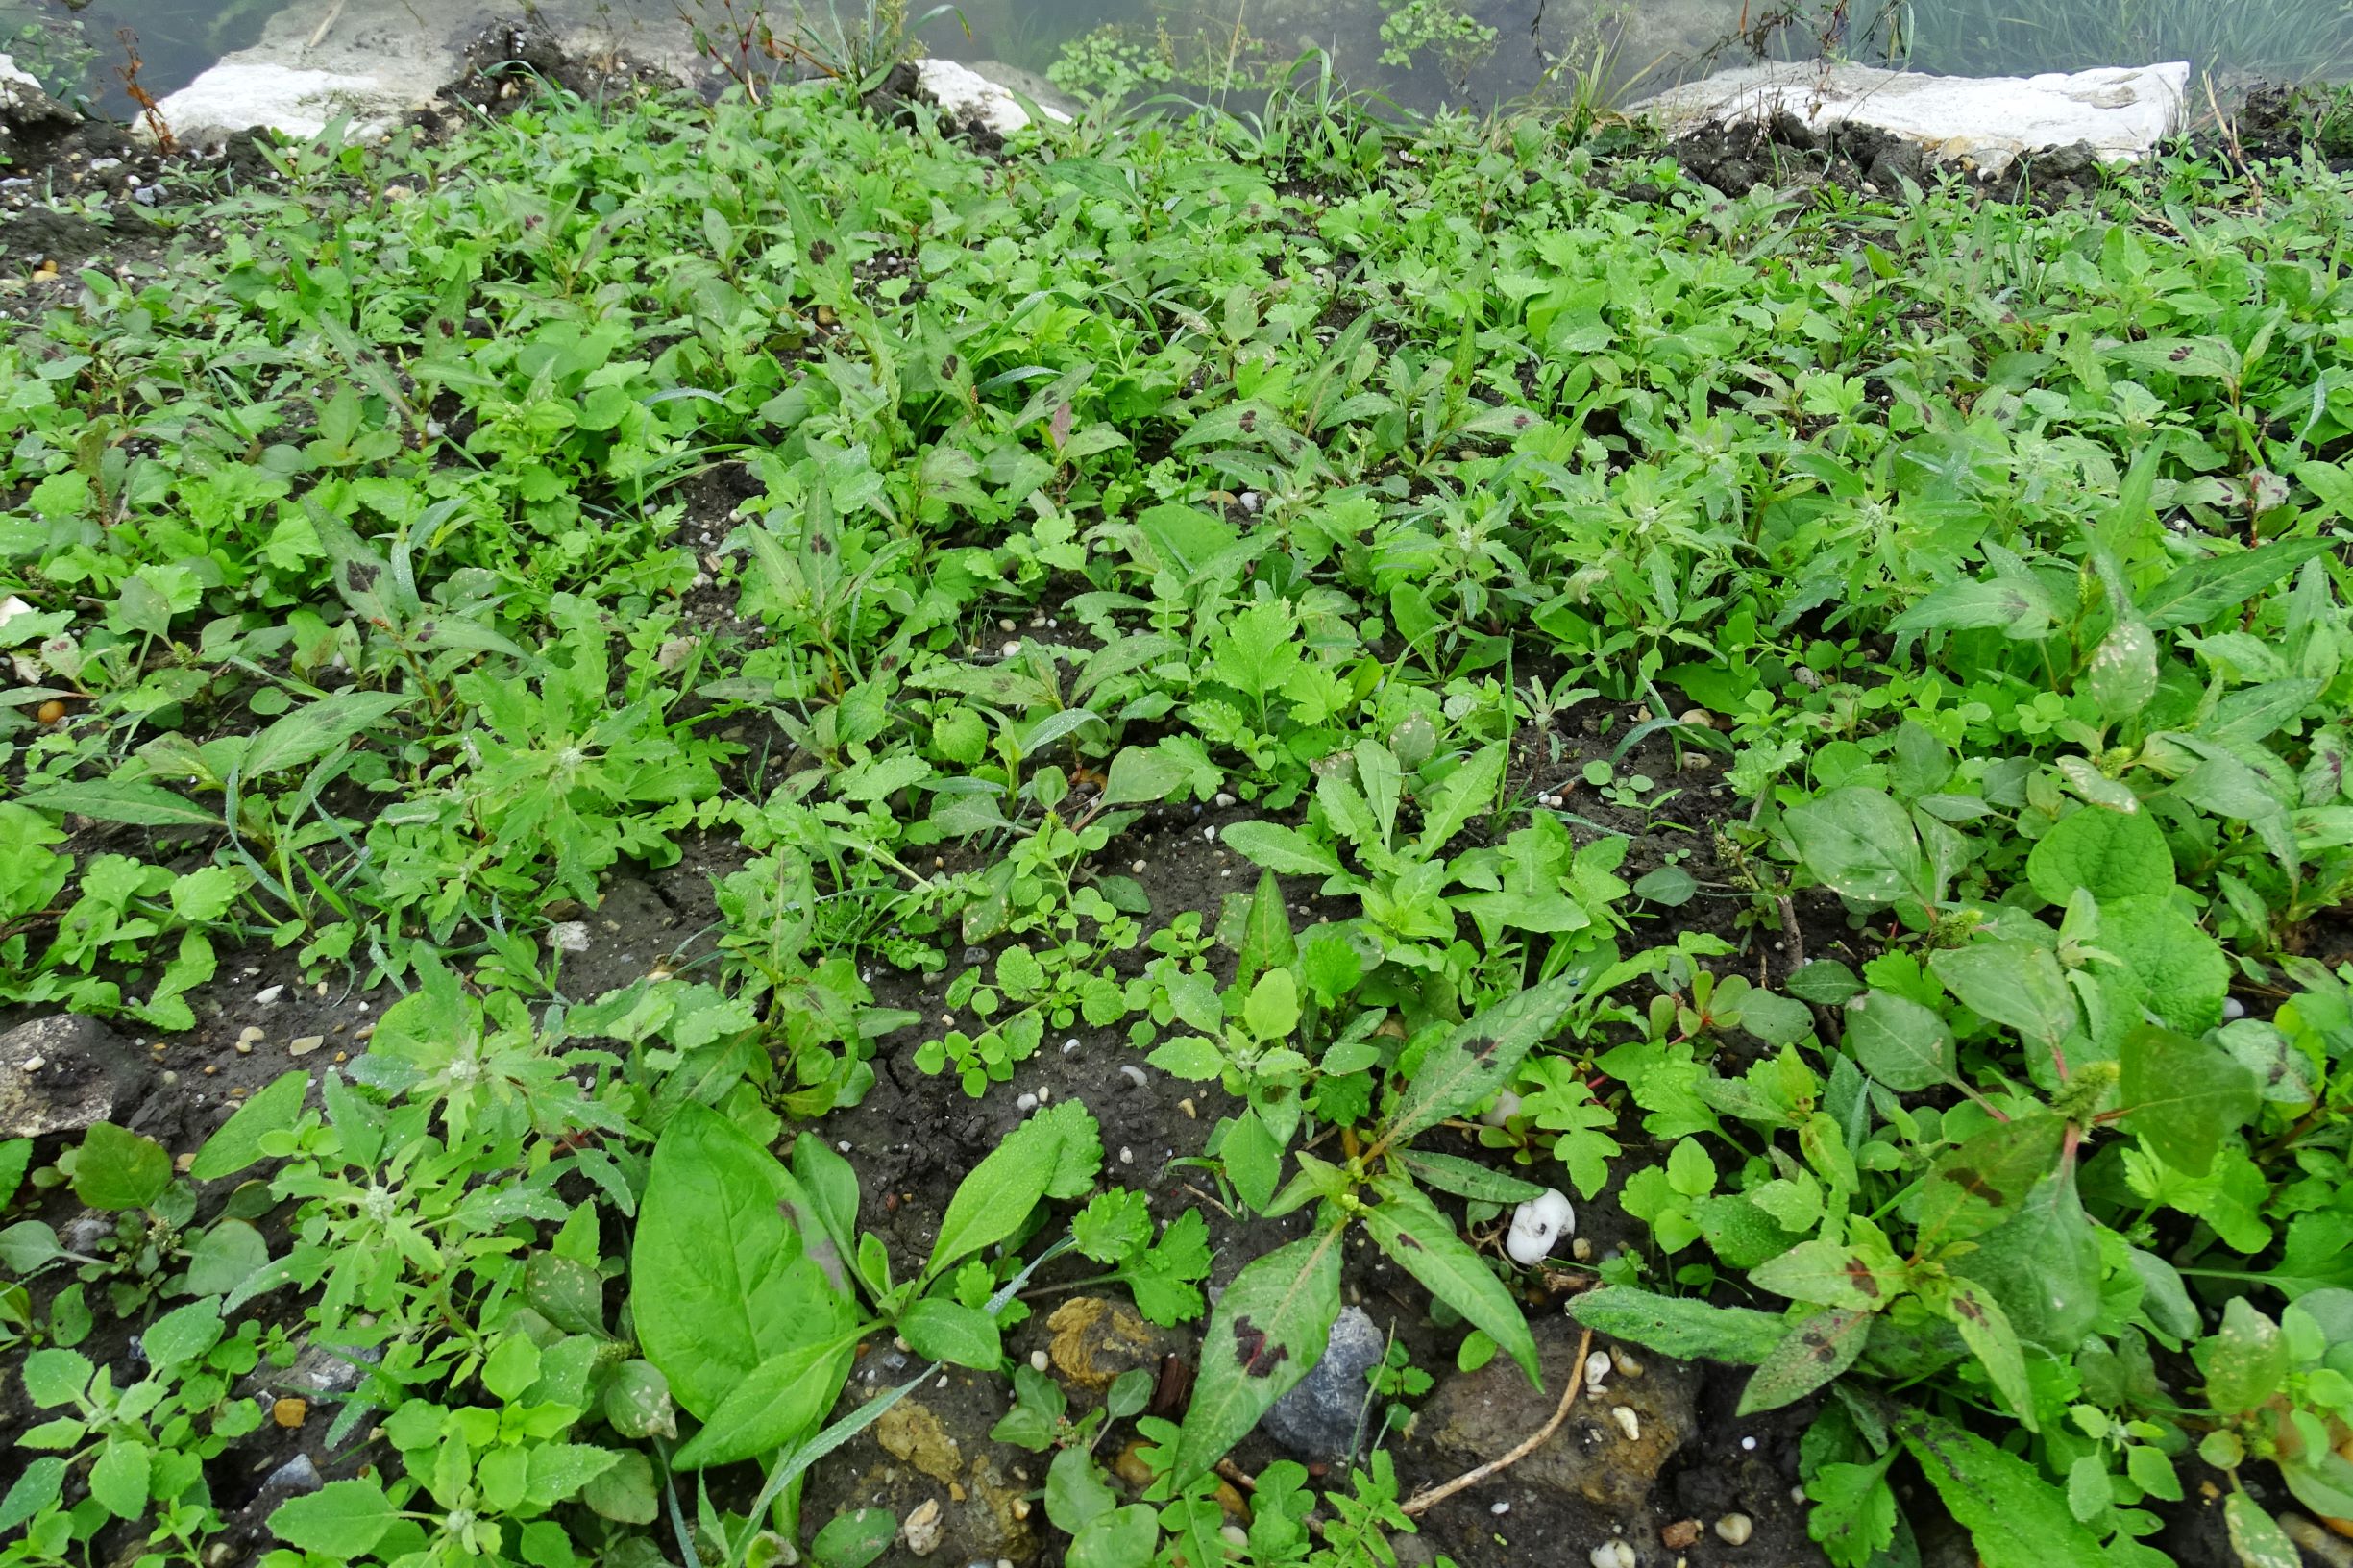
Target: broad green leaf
1143	773
718	1281
109	800
2015	1518
342	1519
1466	1068
2179	972
2018	606
118	1481
1681	1326
2204	589
997	1195
1271	1011
1973	1187
1075	1491
940	1330
2184	1095
238	1143
41	1485
2256	1537
182	1335
1815	1350
1897	1041
1824	1274
2043	1266
2247	1360
1860	844
2123	670
1467	1178
1853	1516
117	1168
314	729
2110	854
780	1402
1268	1332
1281	848
1121	1538
1423	1243
1266	943
854	1540
1985	1328
2016	983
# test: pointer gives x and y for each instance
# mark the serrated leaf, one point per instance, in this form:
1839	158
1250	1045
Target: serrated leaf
342	1519
1269	1331
1282	849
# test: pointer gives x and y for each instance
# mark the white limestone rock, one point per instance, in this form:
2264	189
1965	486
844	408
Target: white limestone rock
239	96
23	103
963	93
1981	123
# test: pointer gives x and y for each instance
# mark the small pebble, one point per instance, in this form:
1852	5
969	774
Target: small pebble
1138	868
304	1045
1628	1422
1596	1369
1625	1364
249	1035
1186	1106
1046	1092
1070	1046
1735	1529
268	996
1127	1156
843	1146
1038	1362
1026	1104
2233	1008
1012	651
1681	1536
1224	799
1611	1554
1135	1075
1006	623
1748	1445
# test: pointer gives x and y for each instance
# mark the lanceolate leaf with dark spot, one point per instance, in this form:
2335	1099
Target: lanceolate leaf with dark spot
1268	1332
1985	1328
1469	1065
1817	1350
2043	1266
1973	1187
1422	1241
2015	1518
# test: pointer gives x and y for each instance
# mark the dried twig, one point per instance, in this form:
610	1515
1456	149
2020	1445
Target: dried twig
335	13
1422	1502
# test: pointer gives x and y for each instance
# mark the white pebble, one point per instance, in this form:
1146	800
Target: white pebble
34	1064
1628	1422
1223	798
1507	1106
1013	650
1138	868
569	935
1005	622
1499	1510
268	996
843	1146
1538	1224
2233	1008
1210	833
1748	1445
1036	1360
1070	1046
1735	1529
1135	1075
1611	1554
1596	1369
1046	1092
1026	1104
1127	1156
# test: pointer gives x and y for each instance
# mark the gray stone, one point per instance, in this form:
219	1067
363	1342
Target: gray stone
295	1478
1317	1419
1474	1417
23	104
61	1074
